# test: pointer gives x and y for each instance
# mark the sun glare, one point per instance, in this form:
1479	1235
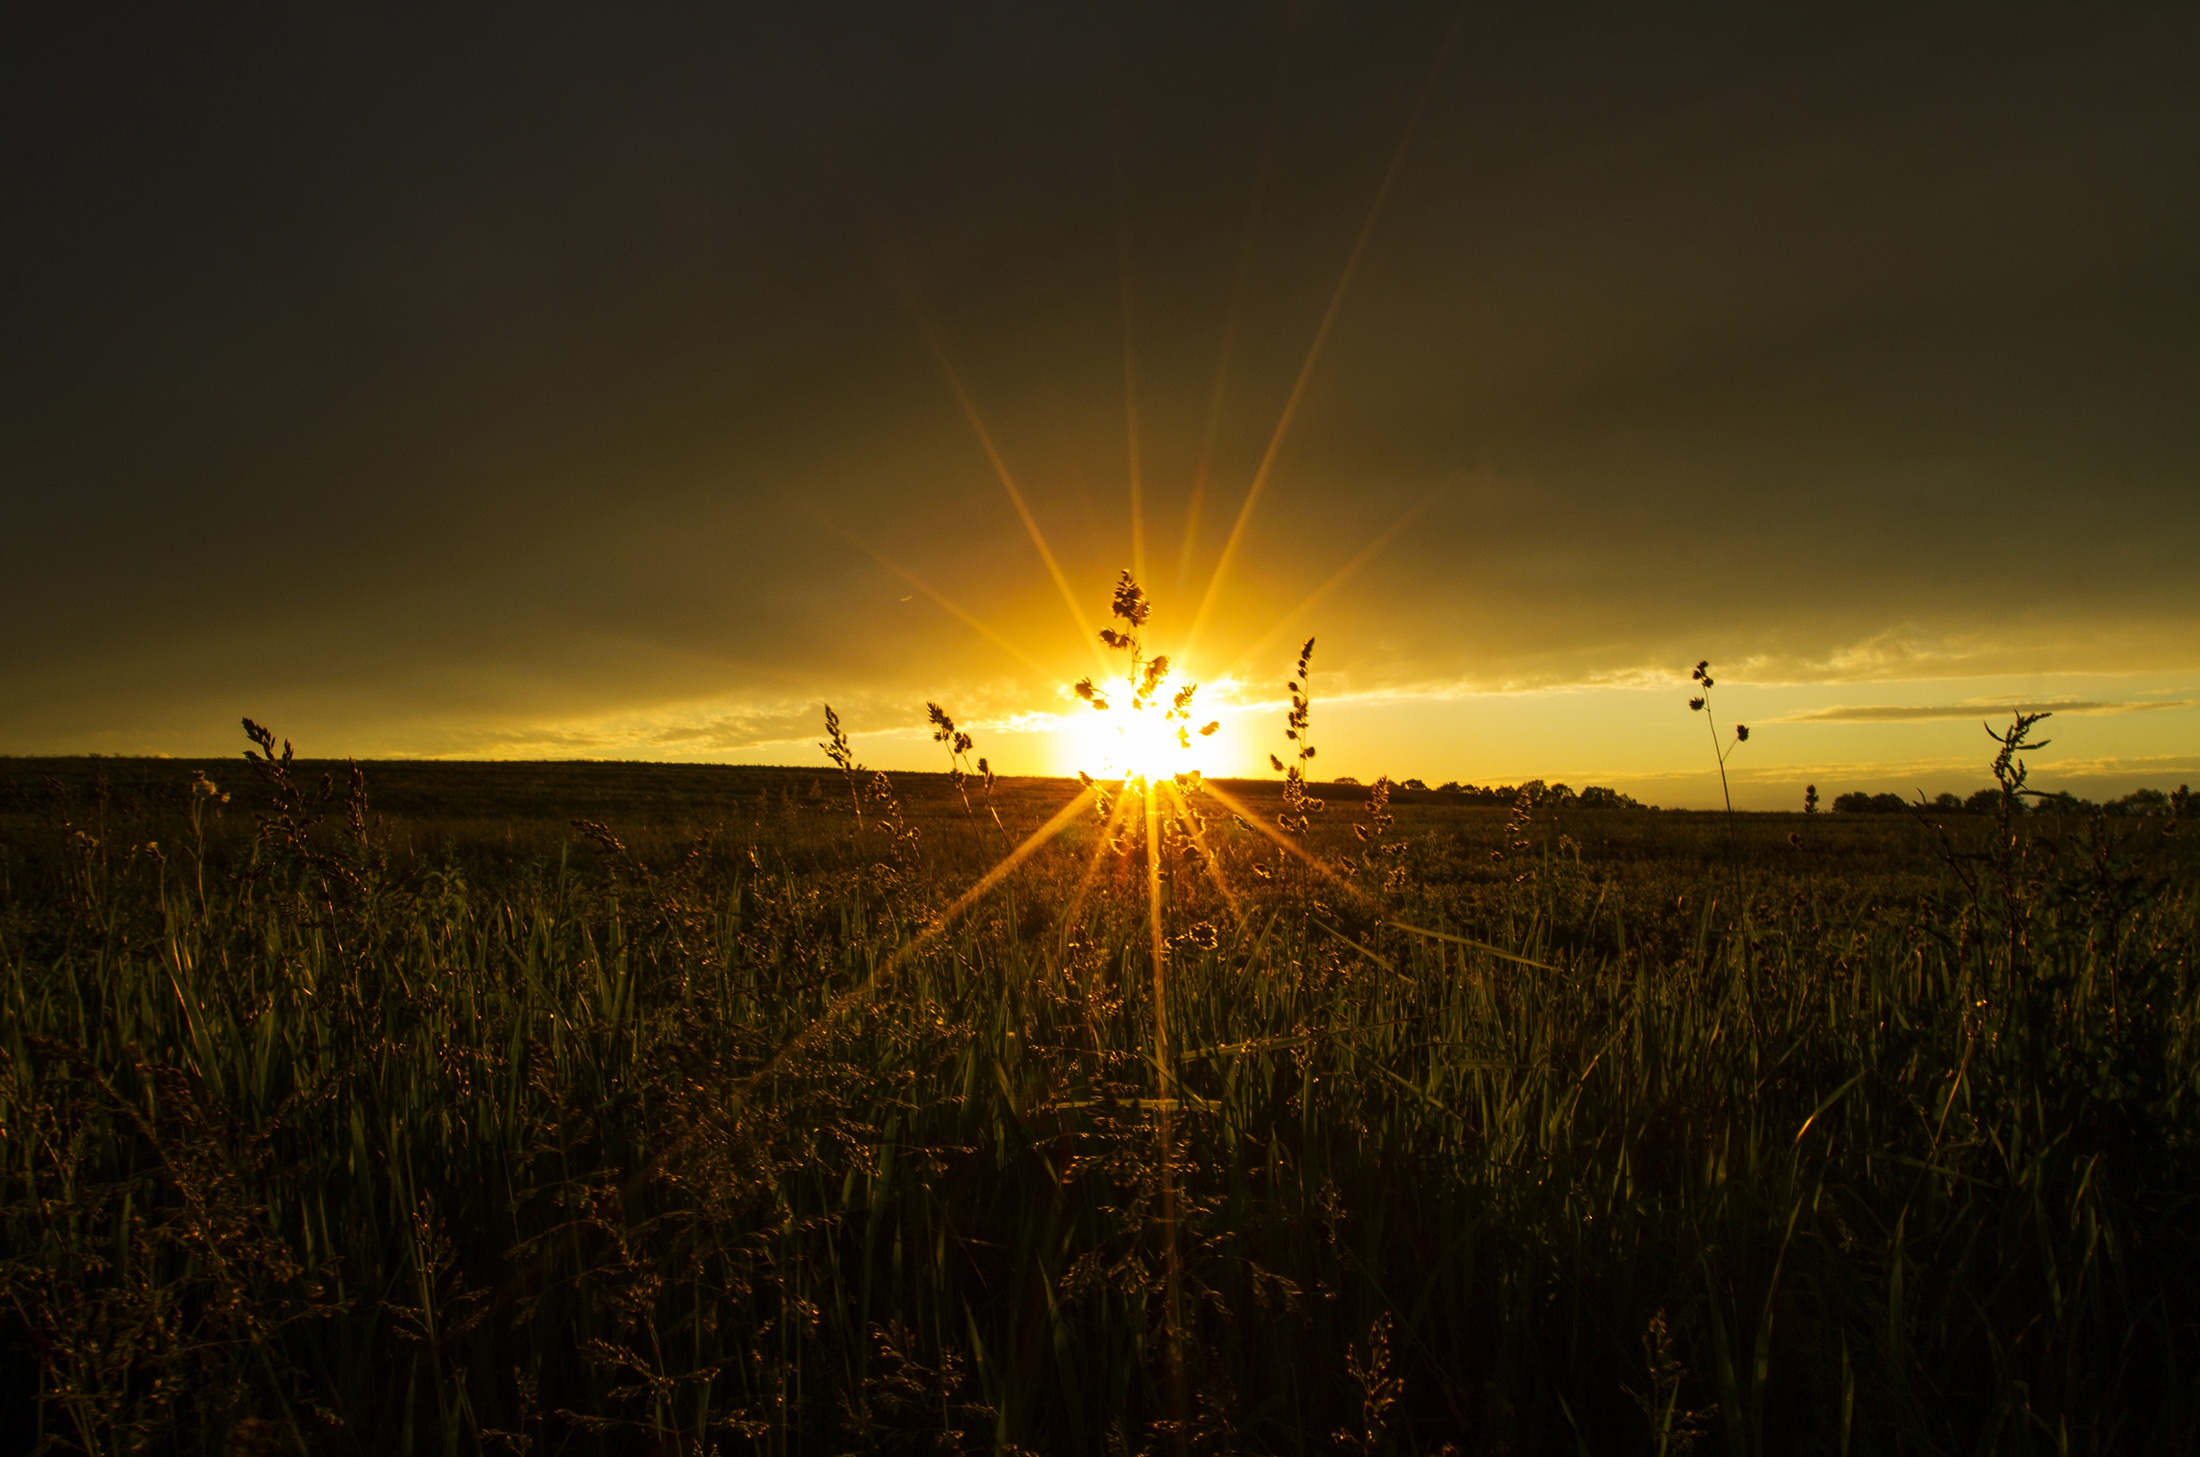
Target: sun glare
1136	744
1141	724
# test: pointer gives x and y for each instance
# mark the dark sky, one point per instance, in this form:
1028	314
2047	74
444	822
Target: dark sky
439	380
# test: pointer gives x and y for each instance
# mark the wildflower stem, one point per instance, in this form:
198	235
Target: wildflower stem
1720	755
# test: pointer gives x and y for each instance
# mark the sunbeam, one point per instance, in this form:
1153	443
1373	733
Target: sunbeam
1259	823
1209	860
1109	829
947	604
1366	901
1291	402
879	972
1165	1101
1150	803
1336	579
1231	315
1000	467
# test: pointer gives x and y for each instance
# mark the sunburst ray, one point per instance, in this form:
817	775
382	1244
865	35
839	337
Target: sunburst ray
1259	823
947	604
1291	402
1150	802
1000	468
1165	1089
1209	859
1109	829
1366	901
1231	315
1336	579
856	994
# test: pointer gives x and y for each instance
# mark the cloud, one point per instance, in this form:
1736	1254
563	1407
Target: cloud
554	455
1917	712
680	731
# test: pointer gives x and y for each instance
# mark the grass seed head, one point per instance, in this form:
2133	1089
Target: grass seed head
1130	602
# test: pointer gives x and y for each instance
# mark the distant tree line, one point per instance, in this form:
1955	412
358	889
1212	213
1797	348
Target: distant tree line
1539	794
2178	803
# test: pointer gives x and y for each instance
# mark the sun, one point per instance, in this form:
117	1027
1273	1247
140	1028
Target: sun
1140	726
1128	743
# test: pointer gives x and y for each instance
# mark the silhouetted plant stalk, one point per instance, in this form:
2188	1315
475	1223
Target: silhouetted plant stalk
960	769
1518	847
836	749
1380	856
206	798
1297	803
1701	703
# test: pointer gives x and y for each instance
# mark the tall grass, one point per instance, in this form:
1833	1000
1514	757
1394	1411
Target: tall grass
308	1143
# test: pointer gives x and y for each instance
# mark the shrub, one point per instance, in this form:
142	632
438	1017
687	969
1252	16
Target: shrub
1858	802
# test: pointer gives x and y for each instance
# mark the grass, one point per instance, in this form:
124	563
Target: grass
456	1128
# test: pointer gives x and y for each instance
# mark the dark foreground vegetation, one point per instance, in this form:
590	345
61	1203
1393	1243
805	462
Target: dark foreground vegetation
2176	803
435	1123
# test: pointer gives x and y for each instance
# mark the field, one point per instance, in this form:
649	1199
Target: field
577	1108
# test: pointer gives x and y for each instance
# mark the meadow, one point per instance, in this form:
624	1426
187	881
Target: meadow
629	1108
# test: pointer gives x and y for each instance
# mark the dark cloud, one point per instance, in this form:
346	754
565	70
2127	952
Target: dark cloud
487	367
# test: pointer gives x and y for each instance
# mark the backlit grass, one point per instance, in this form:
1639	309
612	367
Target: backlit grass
469	1130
